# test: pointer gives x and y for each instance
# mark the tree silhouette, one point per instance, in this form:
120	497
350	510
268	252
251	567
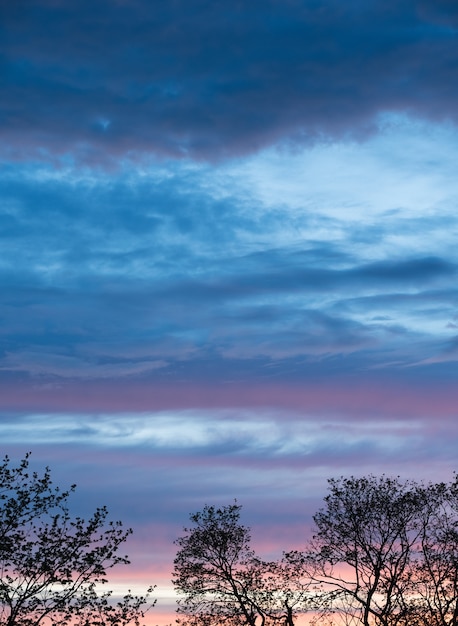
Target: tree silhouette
367	536
220	580
213	569
52	565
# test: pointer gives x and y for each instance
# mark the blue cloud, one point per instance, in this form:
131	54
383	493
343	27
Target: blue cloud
210	79
162	273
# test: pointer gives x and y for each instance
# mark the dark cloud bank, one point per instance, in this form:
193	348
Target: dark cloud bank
211	78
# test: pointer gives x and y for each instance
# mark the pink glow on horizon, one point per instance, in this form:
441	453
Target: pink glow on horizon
387	399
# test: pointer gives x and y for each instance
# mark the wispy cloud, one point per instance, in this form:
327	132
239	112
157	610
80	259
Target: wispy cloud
141	272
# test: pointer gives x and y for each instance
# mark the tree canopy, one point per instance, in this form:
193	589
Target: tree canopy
384	553
53	565
220	579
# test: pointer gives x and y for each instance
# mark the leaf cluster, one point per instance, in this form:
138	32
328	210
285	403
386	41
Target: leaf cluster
52	564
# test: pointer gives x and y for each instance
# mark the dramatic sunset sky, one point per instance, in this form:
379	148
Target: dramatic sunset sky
229	254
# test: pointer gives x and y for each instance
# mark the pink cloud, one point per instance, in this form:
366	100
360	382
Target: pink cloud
363	399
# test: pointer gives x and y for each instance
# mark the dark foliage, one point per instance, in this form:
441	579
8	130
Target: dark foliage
52	565
384	553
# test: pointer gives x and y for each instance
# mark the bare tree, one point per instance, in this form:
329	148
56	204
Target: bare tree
384	553
52	565
434	573
284	589
367	536
213	569
222	581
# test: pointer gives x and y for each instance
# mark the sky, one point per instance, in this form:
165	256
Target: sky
229	262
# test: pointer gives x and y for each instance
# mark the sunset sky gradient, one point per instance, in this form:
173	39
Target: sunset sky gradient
229	254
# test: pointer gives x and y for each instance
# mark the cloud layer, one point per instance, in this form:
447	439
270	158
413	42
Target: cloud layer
228	259
179	274
210	79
